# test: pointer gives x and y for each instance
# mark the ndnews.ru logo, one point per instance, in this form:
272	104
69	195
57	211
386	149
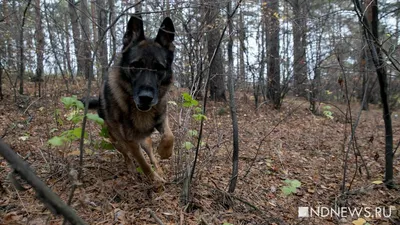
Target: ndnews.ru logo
342	212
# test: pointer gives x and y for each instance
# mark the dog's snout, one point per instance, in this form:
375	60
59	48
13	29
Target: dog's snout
145	97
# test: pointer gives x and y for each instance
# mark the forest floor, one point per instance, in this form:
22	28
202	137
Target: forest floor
275	146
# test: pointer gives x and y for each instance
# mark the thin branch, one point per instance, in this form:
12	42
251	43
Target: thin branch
206	88
44	193
155	217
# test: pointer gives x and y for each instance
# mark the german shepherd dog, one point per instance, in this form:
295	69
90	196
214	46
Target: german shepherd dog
133	101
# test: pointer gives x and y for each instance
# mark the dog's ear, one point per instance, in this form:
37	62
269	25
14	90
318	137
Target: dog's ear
166	33
134	30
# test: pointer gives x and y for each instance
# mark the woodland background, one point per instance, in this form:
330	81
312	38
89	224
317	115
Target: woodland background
276	104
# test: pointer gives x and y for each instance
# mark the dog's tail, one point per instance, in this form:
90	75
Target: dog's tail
94	103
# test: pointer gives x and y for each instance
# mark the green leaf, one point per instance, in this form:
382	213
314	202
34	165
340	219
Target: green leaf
193	133
287	181
327	107
187	97
95	117
199	117
188	145
56	141
198	110
195	102
106	145
287	190
328	114
295	183
227	223
72	102
187	104
104	132
188	101
77	132
68	101
139	170
79	104
75	117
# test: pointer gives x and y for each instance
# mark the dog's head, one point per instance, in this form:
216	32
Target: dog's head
147	63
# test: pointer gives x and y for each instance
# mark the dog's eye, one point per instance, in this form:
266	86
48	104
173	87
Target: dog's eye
159	67
137	64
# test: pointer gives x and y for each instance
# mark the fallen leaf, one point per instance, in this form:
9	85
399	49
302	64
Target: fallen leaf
75	152
360	221
23	138
377	182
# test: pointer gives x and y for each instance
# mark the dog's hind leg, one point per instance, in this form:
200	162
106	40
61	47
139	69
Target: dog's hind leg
167	140
147	146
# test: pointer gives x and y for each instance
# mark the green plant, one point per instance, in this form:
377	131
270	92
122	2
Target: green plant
75	116
290	187
327	113
190	103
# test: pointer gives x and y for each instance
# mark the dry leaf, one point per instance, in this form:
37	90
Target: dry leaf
360	221
377	182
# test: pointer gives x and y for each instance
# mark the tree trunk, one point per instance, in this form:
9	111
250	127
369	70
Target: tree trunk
113	40
21	51
368	75
372	23
258	83
166	8
1	81
242	37
217	81
68	48
102	51
273	85
7	40
364	76
232	106
299	47
138	7
86	40
94	13
39	46
382	78
76	34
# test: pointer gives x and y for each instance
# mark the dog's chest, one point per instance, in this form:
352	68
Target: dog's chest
143	122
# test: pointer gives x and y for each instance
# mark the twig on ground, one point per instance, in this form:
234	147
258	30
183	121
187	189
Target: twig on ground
153	214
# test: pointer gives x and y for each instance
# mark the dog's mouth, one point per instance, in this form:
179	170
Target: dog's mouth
143	108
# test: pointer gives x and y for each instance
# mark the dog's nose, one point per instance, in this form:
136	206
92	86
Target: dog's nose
145	97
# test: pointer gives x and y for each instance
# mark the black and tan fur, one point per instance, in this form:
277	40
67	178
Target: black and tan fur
132	100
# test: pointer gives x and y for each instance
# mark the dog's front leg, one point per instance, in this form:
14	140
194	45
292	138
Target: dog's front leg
147	146
167	140
136	153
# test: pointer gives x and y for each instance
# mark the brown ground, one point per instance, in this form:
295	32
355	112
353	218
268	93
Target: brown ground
274	146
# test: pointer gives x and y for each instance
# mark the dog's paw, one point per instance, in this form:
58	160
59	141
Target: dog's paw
157	180
165	148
